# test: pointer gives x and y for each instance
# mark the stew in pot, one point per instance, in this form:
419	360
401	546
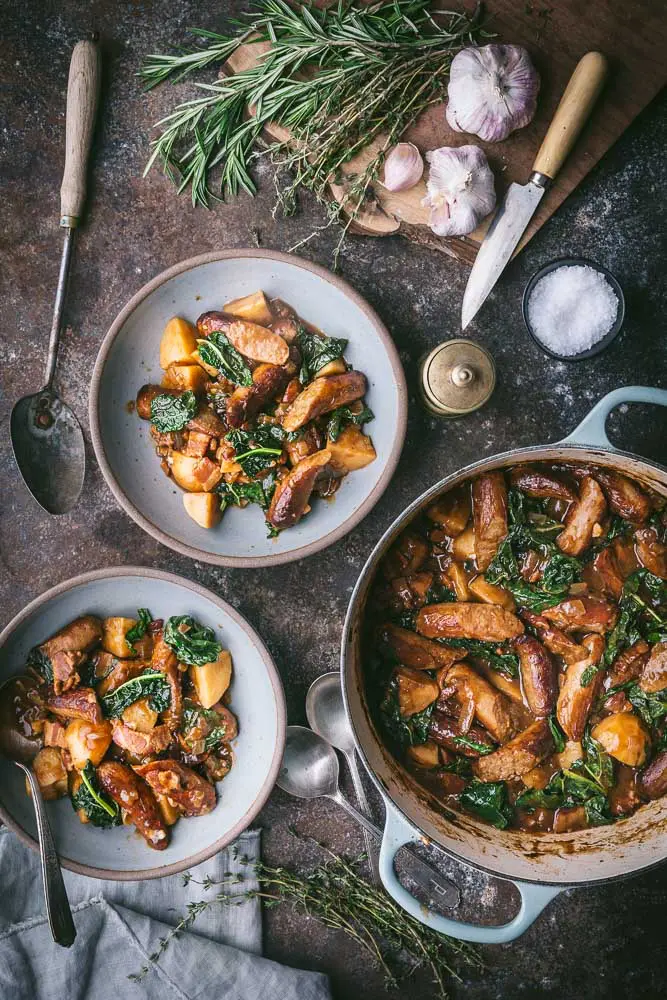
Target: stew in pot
516	647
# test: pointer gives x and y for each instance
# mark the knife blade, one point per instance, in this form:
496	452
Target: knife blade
521	200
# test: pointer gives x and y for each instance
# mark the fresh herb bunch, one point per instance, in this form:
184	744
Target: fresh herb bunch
337	78
336	893
172	413
100	810
193	643
152	685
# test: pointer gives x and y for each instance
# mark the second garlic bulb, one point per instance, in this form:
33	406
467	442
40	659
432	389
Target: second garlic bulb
460	190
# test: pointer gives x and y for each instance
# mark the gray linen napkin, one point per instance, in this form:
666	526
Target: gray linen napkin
120	924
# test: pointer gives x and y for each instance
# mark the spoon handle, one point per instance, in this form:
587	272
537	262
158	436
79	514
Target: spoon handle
365	808
55	894
421	872
83	91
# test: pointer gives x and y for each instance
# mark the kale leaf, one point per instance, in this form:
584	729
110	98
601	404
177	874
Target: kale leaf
39	661
218	352
316	352
172	413
465	741
488	799
258	491
193	643
193	715
256	450
557	733
100	810
495	654
407	730
651	706
138	631
152	684
340	418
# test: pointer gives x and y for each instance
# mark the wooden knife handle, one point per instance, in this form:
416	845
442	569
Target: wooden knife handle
575	106
83	91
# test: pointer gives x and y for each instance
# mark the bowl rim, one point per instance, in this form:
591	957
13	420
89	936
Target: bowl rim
250	562
604	342
135	875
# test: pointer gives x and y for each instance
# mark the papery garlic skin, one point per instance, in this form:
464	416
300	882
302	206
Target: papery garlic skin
403	167
492	91
460	190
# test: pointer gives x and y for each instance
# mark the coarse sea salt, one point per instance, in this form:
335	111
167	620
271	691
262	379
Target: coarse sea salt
571	309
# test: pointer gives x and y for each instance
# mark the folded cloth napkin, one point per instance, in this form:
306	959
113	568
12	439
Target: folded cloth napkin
119	927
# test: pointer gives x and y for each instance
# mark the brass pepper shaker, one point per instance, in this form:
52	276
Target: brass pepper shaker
456	377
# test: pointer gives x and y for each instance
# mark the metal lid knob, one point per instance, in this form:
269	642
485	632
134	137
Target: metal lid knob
457	377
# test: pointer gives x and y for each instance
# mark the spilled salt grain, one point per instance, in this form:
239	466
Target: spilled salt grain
572	308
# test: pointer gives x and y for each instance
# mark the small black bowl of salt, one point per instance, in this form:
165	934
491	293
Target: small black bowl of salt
573	308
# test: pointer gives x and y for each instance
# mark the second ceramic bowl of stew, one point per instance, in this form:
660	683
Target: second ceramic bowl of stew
129	358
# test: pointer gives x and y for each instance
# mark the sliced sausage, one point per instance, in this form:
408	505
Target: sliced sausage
654	672
556	641
323	395
524	752
205	421
253	341
654	777
536	483
79	636
182	786
141	744
247	401
136	799
576	701
448	733
539	675
582	517
293	493
489	514
80	703
493	710
591	614
628	665
461	620
651	552
623	495
415	651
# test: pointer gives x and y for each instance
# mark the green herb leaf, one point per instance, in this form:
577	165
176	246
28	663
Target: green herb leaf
344	416
40	662
557	733
172	413
138	631
651	706
193	643
481	748
406	730
100	810
257	450
497	655
152	684
259	492
488	799
316	352
218	352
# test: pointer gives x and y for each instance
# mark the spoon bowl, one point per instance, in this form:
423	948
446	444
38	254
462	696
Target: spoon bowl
325	710
310	766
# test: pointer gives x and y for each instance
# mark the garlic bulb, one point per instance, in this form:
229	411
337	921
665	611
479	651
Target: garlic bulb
403	167
492	91
460	190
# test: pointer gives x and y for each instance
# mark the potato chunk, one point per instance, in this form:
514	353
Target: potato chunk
489	593
352	450
204	508
196	475
253	307
87	741
416	690
185	377
114	631
624	736
140	716
50	772
178	342
425	754
212	679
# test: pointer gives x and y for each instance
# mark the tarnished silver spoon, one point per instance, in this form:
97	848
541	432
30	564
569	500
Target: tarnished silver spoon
22	751
310	770
46	436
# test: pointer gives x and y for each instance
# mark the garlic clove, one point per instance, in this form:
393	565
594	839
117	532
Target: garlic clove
492	91
403	167
460	190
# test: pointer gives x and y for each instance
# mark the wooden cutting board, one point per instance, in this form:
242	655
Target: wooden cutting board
633	36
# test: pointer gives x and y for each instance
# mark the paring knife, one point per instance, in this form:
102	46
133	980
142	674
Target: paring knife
522	200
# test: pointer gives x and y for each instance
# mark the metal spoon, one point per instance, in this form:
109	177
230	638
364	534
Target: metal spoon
325	711
22	751
46	436
310	771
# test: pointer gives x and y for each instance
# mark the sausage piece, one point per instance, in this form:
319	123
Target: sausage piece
183	787
603	575
141	744
582	518
651	552
80	703
489	514
247	401
79	636
623	496
536	483
253	341
493	710
417	652
323	395
539	675
556	641
461	620
628	665
293	493
524	752
653	780
654	672
135	797
447	732
591	614
575	701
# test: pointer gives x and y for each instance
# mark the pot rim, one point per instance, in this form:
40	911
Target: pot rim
493	461
137	875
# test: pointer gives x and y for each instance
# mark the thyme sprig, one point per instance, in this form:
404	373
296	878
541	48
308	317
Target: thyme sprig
338	79
336	894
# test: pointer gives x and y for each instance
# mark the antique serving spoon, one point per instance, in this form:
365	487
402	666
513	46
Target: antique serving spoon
22	751
46	436
310	770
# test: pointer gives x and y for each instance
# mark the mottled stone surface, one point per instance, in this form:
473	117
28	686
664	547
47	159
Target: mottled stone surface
601	943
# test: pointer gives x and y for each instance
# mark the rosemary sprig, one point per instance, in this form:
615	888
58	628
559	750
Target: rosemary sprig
336	894
337	78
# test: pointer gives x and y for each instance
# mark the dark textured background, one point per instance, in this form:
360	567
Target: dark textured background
605	942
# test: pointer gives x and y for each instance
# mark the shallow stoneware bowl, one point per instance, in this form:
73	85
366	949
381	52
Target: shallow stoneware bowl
129	356
257	699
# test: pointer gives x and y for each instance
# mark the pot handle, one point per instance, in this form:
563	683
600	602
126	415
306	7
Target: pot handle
534	898
592	431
